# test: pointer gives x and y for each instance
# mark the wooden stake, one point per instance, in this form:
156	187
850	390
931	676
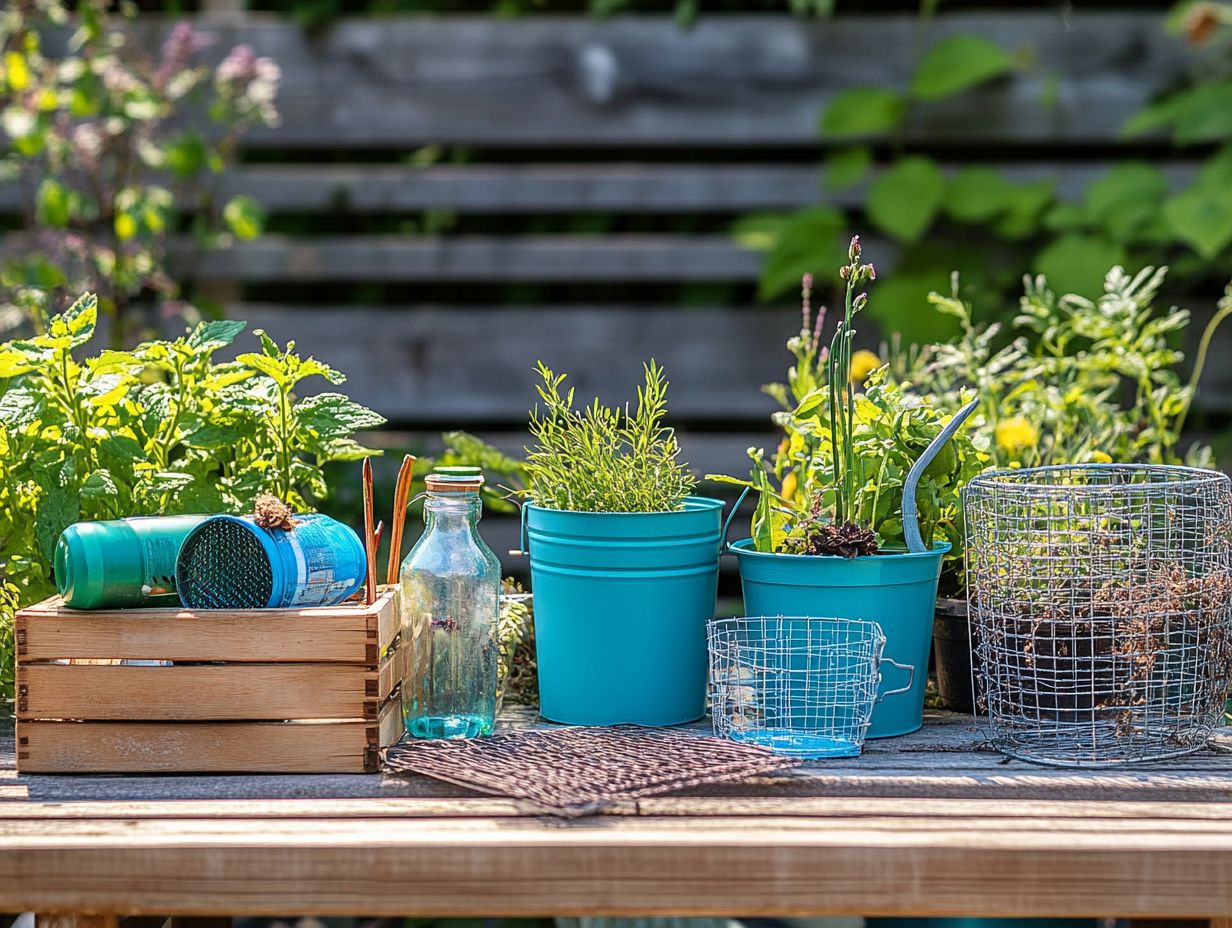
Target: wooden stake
369	534
402	492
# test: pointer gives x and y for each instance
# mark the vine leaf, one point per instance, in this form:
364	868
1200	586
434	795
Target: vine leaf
847	167
978	194
957	64
1202	217
863	111
1074	263
904	200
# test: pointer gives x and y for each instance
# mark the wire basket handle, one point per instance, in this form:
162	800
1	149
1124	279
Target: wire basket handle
911	514
910	668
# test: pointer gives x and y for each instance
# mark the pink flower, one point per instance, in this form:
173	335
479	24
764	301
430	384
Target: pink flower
182	45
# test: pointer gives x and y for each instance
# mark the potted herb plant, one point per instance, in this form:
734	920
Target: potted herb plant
1081	382
829	536
624	560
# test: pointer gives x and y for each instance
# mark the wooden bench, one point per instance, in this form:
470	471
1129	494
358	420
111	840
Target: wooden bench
935	823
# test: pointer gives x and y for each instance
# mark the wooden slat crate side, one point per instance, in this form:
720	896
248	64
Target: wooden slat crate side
204	747
726	81
349	633
181	692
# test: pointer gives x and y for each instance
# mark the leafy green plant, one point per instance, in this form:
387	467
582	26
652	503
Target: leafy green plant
600	459
161	429
835	483
1130	215
1083	381
108	145
504	475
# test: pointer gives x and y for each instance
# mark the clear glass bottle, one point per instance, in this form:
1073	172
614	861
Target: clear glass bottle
450	612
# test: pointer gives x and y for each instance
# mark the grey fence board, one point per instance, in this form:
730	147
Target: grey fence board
460	365
728	81
382	189
469	259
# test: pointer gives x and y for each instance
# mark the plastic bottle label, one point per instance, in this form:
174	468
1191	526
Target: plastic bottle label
316	560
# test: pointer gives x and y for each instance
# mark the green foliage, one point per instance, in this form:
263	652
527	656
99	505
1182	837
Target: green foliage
863	111
905	199
1129	214
957	64
161	429
110	144
850	440
1082	381
8	607
504	475
600	459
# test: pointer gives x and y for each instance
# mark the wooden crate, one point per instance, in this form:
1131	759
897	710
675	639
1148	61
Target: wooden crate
260	691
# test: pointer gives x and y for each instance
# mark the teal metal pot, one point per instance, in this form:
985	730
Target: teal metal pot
897	591
621	606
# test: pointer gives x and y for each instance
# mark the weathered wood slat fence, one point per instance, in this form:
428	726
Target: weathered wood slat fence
629	117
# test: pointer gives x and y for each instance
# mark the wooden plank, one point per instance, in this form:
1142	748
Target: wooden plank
454	807
471	259
405	362
617	866
850	810
200	692
339	634
725	81
382	189
205	747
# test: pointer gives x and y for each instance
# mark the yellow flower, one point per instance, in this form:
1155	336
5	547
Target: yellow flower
1100	457
1016	434
863	363
789	486
16	71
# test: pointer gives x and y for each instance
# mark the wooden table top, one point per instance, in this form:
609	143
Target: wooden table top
934	823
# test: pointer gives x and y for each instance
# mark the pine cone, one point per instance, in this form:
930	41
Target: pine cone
271	513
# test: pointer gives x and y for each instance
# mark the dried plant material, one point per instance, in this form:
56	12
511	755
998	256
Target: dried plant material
1102	609
846	540
271	513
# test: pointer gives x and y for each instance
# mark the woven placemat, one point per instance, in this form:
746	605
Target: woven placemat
577	771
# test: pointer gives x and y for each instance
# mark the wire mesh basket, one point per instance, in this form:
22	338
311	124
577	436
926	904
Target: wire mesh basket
798	685
1101	607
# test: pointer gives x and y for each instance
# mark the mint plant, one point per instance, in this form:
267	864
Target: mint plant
160	429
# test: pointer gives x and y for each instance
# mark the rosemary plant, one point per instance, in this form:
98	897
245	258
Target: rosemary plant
600	459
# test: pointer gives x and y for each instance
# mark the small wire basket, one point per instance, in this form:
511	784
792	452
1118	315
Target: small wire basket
798	685
1101	609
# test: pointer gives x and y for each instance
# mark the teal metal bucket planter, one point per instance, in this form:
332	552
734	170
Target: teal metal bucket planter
897	591
621	606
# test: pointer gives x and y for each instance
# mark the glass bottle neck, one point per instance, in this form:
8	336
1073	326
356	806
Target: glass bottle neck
452	510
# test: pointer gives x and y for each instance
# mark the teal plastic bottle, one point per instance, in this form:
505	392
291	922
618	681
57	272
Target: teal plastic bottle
121	563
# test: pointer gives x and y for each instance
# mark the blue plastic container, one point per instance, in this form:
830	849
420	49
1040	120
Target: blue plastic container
621	605
230	562
897	591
